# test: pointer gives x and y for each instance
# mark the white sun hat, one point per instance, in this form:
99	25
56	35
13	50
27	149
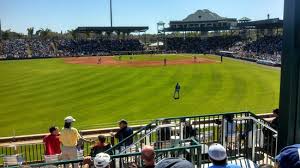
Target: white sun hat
69	119
101	160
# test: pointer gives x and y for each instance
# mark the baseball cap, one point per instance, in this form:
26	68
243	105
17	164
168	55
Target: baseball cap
174	163
69	119
289	157
123	121
217	152
101	160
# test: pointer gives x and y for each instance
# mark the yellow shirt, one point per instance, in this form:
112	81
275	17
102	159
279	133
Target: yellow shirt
69	137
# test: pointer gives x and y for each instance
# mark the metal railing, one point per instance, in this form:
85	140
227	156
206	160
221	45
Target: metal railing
189	149
243	134
34	152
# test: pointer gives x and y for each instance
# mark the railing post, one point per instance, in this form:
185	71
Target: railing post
254	131
112	140
224	132
181	130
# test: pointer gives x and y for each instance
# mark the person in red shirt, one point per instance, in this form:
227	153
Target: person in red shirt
52	142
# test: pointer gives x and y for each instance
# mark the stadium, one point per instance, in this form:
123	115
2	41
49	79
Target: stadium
203	80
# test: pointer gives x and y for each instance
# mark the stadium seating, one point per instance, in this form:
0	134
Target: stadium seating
267	48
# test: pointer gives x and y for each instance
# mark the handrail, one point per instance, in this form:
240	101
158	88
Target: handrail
257	121
205	115
147	134
131	136
170	118
157	151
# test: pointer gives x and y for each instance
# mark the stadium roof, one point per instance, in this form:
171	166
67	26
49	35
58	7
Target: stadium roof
204	15
123	29
262	24
245	19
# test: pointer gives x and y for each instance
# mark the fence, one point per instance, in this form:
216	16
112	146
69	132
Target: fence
243	134
34	152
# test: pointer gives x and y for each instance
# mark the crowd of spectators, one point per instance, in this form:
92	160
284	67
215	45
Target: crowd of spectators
14	48
265	45
268	48
96	47
41	48
198	45
32	48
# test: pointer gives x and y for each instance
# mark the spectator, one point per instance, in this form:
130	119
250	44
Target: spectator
174	163
124	132
52	142
164	134
230	126
102	160
188	130
289	157
148	157
69	137
100	147
218	156
231	131
275	121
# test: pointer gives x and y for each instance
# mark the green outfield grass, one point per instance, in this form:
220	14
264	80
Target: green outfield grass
35	94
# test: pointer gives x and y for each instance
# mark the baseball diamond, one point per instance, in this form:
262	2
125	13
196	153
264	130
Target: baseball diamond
38	93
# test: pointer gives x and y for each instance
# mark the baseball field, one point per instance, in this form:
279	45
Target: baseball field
35	94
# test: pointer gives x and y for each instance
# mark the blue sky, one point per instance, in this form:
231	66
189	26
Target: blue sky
63	15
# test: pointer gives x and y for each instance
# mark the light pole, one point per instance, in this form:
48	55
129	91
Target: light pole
111	19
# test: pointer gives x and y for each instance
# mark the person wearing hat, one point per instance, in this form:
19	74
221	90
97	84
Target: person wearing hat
289	157
124	132
174	163
68	138
102	160
218	156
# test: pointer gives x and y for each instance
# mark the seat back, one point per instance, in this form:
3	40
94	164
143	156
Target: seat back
80	154
12	160
51	158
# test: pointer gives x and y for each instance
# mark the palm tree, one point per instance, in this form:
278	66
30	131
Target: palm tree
30	32
43	33
72	33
